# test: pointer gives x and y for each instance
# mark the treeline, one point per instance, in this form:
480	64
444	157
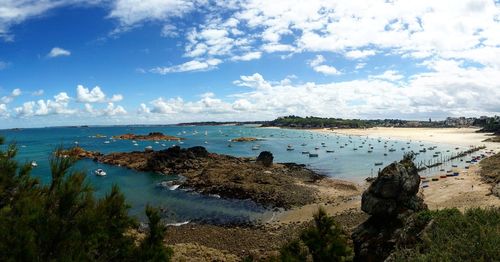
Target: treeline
319	122
63	221
489	125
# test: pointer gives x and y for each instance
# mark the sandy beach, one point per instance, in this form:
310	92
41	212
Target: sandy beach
462	192
450	136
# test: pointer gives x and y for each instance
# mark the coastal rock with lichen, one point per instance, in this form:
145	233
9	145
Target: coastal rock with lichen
267	183
155	136
390	200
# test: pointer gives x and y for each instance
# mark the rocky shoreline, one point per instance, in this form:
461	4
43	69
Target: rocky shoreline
153	136
244	139
283	185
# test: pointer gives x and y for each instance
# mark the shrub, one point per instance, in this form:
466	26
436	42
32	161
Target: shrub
324	240
62	221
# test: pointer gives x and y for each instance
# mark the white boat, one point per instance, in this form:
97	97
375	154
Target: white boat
289	148
99	172
255	147
106	142
34	164
149	148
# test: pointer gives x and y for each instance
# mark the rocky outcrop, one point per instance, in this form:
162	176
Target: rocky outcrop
275	185
244	139
495	190
265	158
151	136
390	200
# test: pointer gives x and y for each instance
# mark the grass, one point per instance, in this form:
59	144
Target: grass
455	236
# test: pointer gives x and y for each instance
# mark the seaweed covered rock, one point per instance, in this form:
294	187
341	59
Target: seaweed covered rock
390	200
265	158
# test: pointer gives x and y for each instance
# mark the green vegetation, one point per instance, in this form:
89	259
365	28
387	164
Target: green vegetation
318	122
455	236
489	124
62	221
322	241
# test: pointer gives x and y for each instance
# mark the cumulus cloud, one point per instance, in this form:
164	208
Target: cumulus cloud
94	95
60	105
9	98
193	65
317	64
247	56
57	51
110	110
390	75
3	110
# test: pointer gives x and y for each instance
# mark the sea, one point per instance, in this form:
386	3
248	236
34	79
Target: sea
348	158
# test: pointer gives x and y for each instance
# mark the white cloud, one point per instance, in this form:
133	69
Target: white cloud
360	66
57	51
247	56
9	98
95	95
131	12
318	66
390	75
358	54
60	105
3	110
109	110
39	92
193	65
169	30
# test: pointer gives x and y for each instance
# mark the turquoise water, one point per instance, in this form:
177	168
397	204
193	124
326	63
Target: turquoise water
140	188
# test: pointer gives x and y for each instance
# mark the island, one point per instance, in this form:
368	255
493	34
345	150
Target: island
244	139
155	136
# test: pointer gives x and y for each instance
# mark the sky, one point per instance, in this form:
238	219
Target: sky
97	62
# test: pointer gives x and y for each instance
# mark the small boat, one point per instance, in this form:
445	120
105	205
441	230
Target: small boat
316	148
304	144
392	150
305	152
99	172
289	148
385	154
34	164
370	151
255	147
229	145
106	142
313	155
330	151
379	163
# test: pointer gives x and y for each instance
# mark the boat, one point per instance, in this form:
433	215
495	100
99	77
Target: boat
392	150
304	144
305	152
255	147
34	164
379	163
330	151
289	148
313	155
99	172
316	148
229	145
106	142
370	151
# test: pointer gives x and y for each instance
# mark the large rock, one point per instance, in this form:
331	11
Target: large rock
496	189
390	200
265	158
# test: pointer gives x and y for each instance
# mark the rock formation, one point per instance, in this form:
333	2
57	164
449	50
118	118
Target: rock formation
244	139
390	201
265	158
151	136
275	185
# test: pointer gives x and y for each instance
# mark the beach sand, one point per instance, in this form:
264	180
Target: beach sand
451	136
465	191
450	192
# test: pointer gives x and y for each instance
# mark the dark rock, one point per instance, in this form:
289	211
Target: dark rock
265	158
391	201
199	151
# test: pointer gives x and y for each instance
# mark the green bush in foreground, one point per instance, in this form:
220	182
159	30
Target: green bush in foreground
322	241
62	221
455	236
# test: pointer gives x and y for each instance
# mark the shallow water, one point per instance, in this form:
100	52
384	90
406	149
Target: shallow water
140	188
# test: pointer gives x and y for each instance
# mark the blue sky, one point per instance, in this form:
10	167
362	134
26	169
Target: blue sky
67	62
